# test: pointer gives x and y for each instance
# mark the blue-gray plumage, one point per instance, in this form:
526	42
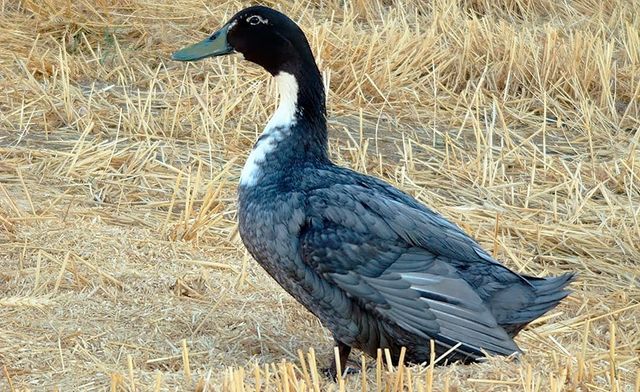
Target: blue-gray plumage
379	269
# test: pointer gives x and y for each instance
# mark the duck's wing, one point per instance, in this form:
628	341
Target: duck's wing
395	260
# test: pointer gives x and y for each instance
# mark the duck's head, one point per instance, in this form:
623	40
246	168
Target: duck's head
270	39
262	35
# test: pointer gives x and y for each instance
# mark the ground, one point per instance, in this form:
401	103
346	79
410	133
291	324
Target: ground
120	263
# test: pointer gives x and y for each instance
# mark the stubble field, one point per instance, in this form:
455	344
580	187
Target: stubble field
120	264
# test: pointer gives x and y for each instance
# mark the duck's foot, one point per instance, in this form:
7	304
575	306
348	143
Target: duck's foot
330	372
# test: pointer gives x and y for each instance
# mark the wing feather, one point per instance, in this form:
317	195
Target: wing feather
401	269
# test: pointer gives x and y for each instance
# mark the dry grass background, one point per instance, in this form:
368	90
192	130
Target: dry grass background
120	266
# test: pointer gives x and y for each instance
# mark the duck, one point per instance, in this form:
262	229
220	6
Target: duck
379	269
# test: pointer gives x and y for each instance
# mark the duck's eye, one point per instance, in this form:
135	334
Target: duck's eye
256	19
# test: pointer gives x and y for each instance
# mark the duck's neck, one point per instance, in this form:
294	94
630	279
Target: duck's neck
297	131
302	107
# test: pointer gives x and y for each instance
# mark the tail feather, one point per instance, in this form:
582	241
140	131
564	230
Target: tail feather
547	293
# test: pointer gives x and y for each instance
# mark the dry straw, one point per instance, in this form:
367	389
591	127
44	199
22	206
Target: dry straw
120	263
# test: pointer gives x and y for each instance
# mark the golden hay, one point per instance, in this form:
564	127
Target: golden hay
120	267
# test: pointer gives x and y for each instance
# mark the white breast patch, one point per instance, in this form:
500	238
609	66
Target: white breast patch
277	129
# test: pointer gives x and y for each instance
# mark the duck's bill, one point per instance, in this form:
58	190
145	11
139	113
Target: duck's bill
215	45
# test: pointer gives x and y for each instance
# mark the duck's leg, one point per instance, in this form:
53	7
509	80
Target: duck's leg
343	353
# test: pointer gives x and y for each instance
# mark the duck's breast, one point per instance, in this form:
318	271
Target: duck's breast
269	225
